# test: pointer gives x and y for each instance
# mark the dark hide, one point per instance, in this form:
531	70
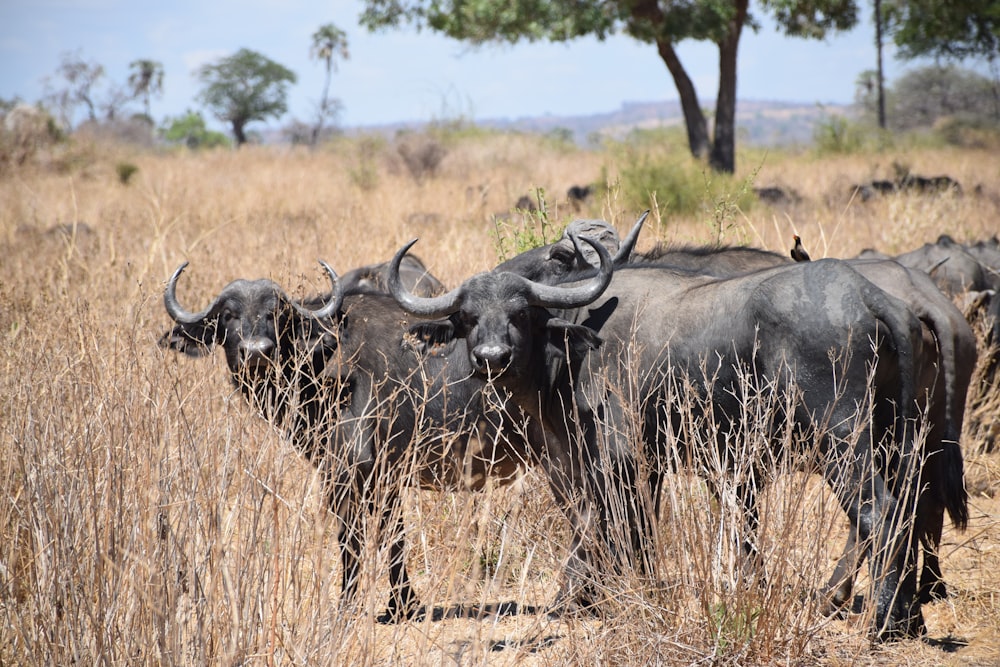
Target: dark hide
371	413
779	326
371	278
944	370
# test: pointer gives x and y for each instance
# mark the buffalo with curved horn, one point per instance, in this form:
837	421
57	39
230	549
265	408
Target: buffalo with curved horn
782	328
341	376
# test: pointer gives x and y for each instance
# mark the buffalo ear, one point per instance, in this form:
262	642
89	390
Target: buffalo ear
578	338
435	337
194	340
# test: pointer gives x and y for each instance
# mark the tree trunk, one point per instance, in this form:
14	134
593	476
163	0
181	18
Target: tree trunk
880	75
694	119
238	134
723	157
324	103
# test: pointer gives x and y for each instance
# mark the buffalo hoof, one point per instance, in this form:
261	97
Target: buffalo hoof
912	627
836	603
933	591
579	602
406	607
392	616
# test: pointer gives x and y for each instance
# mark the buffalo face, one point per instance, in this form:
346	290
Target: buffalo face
505	318
254	321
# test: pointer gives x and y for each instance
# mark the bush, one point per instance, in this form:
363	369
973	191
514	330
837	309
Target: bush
422	155
838	135
531	229
968	132
190	130
365	172
659	174
125	171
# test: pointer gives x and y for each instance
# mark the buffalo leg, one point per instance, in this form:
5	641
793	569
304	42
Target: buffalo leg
840	588
876	514
403	601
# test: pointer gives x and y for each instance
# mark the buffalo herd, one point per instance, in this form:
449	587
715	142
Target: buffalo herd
607	369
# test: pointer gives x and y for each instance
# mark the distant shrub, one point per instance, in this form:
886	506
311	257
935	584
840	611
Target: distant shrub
968	132
531	229
422	155
190	130
364	173
671	182
561	139
837	135
25	131
125	171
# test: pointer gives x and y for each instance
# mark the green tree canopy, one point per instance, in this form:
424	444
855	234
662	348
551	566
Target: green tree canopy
245	87
145	80
956	29
662	23
328	43
191	131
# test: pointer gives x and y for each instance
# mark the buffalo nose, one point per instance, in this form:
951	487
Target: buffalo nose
491	357
254	351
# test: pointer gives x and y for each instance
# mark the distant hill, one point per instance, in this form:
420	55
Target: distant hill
760	123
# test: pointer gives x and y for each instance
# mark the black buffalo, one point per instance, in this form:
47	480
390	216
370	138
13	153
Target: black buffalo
560	346
338	374
371	278
945	367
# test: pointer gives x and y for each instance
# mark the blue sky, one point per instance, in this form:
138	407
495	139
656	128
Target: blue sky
403	75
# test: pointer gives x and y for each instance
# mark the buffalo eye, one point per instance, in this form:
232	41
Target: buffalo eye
227	315
521	316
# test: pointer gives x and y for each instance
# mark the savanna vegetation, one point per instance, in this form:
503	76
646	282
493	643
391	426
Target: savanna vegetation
149	517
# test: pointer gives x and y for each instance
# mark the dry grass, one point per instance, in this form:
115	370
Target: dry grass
148	517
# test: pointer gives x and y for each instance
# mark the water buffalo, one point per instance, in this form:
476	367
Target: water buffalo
571	345
945	367
338	374
371	278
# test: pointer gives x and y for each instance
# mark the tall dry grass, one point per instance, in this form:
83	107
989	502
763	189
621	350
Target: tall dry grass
148	516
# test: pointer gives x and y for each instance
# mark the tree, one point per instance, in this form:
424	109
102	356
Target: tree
145	81
327	43
80	78
953	30
663	23
190	130
243	88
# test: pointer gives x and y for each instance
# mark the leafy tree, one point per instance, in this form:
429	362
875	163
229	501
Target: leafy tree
662	23
79	80
922	96
328	43
190	130
952	30
245	87
145	81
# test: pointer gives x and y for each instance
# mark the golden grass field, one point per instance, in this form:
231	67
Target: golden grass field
149	517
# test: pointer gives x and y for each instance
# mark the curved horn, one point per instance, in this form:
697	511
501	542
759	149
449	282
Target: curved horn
628	243
549	296
330	308
429	307
174	308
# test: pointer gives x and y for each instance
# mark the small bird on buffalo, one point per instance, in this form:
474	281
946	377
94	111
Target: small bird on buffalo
799	253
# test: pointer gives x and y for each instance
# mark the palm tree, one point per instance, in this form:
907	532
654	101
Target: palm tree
146	80
327	43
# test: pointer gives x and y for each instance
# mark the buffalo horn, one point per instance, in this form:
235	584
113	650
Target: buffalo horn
628	243
330	308
429	307
555	296
174	309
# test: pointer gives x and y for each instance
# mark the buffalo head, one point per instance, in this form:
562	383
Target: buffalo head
254	321
566	258
503	316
